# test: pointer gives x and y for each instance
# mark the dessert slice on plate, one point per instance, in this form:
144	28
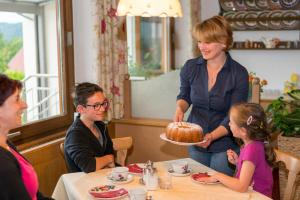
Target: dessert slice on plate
198	178
108	192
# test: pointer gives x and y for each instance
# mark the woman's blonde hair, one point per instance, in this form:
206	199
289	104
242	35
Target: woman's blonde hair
215	29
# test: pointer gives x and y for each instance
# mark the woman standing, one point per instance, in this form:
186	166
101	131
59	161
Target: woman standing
212	83
18	178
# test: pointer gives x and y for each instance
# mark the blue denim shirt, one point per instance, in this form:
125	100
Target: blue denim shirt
210	108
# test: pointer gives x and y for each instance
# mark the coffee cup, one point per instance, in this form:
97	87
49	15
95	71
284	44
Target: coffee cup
137	194
119	173
180	167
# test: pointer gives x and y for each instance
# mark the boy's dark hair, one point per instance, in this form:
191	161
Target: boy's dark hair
8	87
83	91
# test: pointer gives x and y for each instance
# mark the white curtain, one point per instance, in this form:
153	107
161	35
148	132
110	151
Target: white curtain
110	40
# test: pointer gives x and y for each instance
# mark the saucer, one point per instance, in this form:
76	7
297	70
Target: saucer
187	173
129	179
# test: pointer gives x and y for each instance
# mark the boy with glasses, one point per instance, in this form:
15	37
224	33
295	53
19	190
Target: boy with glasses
88	146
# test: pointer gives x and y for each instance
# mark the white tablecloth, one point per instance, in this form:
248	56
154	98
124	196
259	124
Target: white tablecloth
75	186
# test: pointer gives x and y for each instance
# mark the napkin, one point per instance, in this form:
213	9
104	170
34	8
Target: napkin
109	194
134	168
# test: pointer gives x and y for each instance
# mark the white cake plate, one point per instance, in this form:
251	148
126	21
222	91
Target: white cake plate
163	137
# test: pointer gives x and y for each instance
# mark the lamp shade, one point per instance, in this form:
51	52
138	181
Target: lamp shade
149	8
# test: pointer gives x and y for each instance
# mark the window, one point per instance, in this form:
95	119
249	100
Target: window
149	45
37	51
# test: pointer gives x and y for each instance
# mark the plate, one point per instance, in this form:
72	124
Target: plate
275	19
239	20
240	5
227	5
229	16
129	179
187	173
250	4
163	137
289	4
108	192
290	23
205	174
262	19
262	4
251	19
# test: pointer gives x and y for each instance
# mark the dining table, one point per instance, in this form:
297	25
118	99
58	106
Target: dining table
75	186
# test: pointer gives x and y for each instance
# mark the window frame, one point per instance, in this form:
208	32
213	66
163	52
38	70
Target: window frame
45	127
167	44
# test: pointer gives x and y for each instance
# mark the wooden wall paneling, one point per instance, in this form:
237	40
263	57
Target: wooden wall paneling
48	163
111	129
127	97
147	144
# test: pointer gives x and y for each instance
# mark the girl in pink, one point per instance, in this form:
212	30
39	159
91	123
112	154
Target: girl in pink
254	164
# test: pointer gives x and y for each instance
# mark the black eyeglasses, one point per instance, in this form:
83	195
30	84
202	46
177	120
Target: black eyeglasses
97	106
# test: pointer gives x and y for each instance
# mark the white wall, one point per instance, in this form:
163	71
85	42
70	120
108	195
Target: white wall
276	66
209	8
84	47
183	28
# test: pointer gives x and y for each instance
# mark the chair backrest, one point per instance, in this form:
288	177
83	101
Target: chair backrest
254	97
292	163
61	148
121	146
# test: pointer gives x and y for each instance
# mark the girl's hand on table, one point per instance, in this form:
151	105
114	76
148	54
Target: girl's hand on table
209	179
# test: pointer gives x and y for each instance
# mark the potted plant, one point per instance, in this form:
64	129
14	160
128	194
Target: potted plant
284	118
284	114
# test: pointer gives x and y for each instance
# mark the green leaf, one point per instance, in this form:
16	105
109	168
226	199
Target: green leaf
295	94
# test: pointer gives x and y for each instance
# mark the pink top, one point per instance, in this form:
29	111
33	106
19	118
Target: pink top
262	177
29	176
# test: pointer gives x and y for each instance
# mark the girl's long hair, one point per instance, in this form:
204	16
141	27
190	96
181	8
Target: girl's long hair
252	117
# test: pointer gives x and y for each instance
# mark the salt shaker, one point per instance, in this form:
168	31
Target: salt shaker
150	177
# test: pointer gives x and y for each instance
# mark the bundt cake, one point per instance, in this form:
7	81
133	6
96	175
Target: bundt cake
184	132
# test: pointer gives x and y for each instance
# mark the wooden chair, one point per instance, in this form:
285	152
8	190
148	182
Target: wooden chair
292	163
121	146
255	91
61	148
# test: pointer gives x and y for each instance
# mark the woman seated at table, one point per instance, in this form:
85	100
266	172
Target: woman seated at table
88	147
18	178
